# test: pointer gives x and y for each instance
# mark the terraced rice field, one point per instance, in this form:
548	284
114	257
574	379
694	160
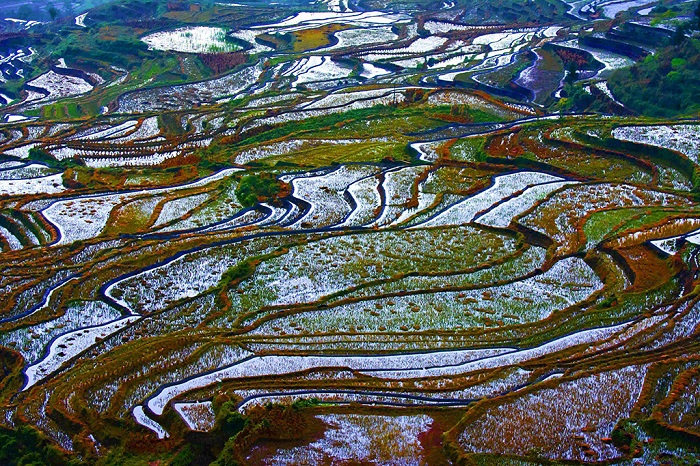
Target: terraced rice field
349	248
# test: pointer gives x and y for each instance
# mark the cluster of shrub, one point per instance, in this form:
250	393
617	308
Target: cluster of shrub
667	83
27	447
663	84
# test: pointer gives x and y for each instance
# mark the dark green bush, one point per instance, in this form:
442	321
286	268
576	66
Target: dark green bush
257	188
26	446
666	84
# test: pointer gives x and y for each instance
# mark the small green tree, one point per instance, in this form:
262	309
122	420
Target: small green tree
257	188
229	421
53	12
571	73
